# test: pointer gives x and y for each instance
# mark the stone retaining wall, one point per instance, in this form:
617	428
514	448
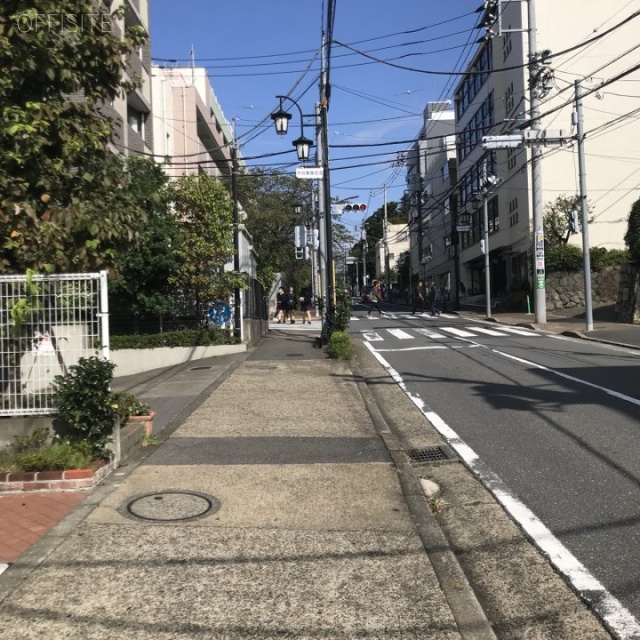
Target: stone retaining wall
628	300
566	290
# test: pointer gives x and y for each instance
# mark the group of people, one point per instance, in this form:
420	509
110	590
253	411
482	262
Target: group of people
429	295
286	304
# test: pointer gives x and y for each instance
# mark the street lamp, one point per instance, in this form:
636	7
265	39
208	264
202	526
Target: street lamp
281	121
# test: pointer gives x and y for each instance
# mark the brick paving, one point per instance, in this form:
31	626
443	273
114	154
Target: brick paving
25	518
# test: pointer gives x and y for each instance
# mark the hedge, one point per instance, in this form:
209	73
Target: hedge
188	338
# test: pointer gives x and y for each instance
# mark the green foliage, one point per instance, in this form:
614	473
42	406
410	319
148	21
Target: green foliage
189	338
127	406
557	228
85	403
339	346
563	257
63	205
205	242
20	309
343	311
36	453
632	236
142	286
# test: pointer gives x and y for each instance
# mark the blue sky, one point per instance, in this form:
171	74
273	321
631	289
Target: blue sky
255	50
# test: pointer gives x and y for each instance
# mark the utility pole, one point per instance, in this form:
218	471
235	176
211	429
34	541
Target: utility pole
387	273
237	303
485	224
583	206
322	210
540	295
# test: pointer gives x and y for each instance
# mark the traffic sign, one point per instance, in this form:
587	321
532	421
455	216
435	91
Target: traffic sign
463	228
511	141
219	313
309	173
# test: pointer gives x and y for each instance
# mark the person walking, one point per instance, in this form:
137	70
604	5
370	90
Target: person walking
290	306
305	305
375	296
433	300
280	305
418	300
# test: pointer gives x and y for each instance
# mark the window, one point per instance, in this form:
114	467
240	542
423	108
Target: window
506	45
478	75
136	119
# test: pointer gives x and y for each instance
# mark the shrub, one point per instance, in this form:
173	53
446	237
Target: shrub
127	405
565	257
188	338
86	406
343	311
36	453
339	346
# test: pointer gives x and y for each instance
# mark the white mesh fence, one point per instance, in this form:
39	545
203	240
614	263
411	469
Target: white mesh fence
47	323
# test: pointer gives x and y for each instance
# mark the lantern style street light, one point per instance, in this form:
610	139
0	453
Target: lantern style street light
281	121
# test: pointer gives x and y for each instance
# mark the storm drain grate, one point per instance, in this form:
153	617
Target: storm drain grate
203	368
428	454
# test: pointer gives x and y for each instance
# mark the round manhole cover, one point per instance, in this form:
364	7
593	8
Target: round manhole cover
170	506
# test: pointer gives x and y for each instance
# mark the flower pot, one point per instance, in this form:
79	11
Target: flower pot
147	420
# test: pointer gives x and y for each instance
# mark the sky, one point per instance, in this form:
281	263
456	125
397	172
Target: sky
255	50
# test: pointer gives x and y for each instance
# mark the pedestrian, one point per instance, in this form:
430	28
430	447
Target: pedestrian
375	296
290	305
280	304
418	300
463	289
305	305
433	300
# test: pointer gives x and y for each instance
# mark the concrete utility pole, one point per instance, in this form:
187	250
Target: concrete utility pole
237	300
387	273
540	295
485	223
583	206
322	209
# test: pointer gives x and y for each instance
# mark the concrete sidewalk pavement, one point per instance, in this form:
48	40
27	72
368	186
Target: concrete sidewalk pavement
282	503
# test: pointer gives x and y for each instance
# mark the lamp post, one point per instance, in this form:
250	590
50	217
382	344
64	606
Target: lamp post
303	145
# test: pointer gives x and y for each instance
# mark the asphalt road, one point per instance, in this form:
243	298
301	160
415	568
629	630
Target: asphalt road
549	424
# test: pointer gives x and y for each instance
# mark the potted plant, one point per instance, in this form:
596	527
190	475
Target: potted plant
132	410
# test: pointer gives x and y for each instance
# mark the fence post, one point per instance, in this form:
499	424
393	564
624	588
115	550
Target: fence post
104	315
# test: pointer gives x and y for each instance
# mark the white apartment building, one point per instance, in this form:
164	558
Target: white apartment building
131	113
428	165
397	243
594	46
191	129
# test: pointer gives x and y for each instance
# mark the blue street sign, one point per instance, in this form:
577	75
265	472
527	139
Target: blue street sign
219	313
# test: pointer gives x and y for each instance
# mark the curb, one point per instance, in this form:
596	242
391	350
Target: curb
469	615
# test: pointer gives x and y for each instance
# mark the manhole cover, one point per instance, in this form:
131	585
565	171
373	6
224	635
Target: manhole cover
199	368
428	454
170	506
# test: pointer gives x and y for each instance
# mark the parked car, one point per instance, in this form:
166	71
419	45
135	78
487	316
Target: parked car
366	293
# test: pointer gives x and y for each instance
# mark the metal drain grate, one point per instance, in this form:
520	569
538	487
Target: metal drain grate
428	454
203	368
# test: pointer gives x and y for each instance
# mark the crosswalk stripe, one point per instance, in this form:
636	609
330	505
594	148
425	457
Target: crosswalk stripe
353	319
520	332
458	332
430	334
400	334
489	332
372	336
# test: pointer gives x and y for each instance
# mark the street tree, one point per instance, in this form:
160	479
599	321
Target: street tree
205	240
142	286
632	236
63	198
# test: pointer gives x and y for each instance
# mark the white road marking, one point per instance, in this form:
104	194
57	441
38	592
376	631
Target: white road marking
458	332
433	346
400	334
3	568
611	392
371	336
609	608
489	332
434	335
520	332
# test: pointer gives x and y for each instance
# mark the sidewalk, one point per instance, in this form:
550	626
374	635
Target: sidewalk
282	503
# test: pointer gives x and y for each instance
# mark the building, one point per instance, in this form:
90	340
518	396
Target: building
397	243
492	98
194	137
131	113
428	165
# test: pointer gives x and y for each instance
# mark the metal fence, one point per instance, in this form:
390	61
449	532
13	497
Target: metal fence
47	323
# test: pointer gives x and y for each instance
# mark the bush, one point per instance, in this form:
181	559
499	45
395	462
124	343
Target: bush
339	346
564	257
35	453
87	409
343	311
188	338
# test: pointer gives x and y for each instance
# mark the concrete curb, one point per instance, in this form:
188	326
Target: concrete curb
471	619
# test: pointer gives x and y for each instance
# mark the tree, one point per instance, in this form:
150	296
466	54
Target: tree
632	236
143	287
205	242
63	204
